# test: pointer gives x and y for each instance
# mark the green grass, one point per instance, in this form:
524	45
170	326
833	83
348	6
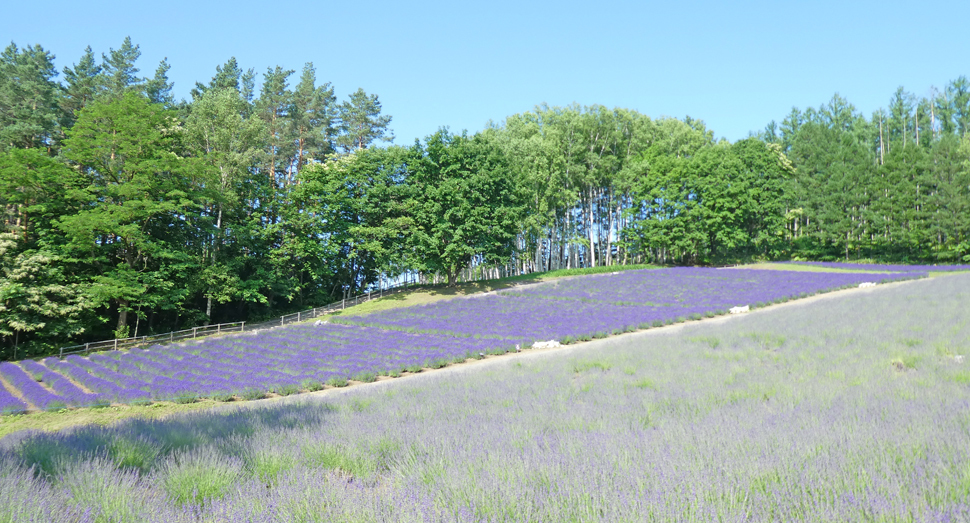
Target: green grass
61	419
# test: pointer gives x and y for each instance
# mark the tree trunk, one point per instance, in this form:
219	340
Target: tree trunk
122	315
452	276
592	245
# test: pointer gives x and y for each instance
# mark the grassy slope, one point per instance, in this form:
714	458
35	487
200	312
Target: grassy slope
852	410
425	294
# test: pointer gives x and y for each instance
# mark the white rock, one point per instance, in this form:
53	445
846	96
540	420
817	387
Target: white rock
614	273
546	344
958	358
739	310
867	284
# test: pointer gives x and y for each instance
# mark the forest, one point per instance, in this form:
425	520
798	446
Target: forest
127	212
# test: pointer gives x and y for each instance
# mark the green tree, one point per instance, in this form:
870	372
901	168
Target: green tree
158	89
312	119
361	122
137	195
463	203
85	82
29	111
219	132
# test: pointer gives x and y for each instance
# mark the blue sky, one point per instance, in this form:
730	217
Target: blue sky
735	65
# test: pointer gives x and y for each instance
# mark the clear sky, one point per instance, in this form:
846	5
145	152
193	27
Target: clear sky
736	65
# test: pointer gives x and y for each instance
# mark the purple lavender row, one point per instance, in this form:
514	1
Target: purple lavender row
9	404
60	384
86	373
101	366
701	286
32	391
886	267
589	306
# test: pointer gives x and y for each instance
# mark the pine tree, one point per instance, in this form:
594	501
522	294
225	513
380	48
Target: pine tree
312	119
361	122
29	111
159	89
119	69
85	82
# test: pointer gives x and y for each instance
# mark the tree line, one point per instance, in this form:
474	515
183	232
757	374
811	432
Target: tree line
127	212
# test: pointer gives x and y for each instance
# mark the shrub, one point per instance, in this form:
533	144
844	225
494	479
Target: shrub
337	381
287	389
366	377
252	393
311	385
185	397
222	396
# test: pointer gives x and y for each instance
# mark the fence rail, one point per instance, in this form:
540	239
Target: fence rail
239	326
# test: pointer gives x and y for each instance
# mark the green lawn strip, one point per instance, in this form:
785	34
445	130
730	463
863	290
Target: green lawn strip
429	293
795	267
65	418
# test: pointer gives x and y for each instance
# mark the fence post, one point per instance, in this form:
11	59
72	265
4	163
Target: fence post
87	347
218	328
171	336
299	316
62	353
343	303
195	331
243	328
282	318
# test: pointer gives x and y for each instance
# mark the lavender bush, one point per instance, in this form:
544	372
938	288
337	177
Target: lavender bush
794	414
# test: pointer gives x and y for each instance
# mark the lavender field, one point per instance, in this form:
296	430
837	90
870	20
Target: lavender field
849	408
309	357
